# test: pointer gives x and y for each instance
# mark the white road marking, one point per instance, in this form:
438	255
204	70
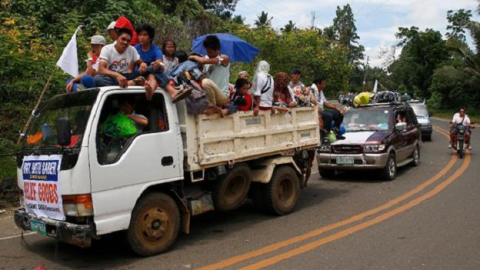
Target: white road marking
16	236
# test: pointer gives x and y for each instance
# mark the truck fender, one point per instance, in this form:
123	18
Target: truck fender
262	170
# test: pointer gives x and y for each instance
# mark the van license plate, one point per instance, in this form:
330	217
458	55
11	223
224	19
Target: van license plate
345	161
38	226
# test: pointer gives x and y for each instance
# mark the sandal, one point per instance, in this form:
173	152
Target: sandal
182	94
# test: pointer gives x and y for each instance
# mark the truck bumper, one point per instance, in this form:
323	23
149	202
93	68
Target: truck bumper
361	161
75	234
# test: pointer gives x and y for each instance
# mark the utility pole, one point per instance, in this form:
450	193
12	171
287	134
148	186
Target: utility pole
366	69
314	17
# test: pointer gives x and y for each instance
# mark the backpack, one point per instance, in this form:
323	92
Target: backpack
196	102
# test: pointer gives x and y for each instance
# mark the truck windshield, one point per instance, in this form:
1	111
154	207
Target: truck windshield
366	120
76	107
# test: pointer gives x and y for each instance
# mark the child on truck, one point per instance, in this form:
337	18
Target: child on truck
241	100
153	57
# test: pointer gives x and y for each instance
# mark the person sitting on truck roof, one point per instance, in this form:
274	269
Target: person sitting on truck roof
112	33
169	48
241	100
153	57
117	63
86	78
335	114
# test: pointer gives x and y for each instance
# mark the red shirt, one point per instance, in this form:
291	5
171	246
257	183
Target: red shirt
247	107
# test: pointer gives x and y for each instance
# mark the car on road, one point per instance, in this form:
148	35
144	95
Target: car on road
423	117
378	137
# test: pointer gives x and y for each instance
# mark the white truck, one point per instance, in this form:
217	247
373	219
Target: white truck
78	184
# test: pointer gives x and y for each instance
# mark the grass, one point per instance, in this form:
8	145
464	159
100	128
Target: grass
473	114
8	168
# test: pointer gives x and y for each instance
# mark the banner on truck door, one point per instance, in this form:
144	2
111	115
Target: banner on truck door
41	186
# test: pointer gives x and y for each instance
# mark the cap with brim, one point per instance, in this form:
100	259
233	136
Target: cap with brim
98	40
111	26
296	70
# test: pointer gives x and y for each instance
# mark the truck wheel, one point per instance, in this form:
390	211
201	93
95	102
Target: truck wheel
390	171
281	194
154	225
232	189
416	156
326	173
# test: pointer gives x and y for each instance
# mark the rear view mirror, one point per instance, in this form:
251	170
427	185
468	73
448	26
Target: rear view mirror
401	126
64	132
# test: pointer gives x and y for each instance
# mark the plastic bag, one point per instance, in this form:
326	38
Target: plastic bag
361	99
119	126
332	137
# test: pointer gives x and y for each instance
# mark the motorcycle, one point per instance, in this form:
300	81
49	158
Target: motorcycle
459	144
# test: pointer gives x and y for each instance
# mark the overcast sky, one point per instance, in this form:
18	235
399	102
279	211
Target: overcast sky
377	20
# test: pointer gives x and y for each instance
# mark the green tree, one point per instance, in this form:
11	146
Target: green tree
458	23
263	20
345	33
238	19
290	26
423	52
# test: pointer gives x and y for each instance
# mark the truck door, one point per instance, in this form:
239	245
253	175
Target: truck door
121	168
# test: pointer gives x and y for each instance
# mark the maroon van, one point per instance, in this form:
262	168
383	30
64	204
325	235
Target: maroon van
379	137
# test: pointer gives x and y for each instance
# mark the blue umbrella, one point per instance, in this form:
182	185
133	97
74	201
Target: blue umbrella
238	50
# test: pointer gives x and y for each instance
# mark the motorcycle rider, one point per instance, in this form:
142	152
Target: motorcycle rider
460	117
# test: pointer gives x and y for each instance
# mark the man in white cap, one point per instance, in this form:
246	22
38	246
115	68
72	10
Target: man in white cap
86	78
111	31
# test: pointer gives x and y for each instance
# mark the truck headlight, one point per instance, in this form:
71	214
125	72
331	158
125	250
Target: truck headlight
374	148
324	148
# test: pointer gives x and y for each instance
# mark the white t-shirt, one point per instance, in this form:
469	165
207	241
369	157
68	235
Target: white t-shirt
219	74
169	63
457	119
119	62
265	83
319	96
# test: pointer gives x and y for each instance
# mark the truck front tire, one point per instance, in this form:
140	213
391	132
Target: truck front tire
154	224
231	190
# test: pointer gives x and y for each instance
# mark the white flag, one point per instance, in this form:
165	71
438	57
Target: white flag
68	62
375	88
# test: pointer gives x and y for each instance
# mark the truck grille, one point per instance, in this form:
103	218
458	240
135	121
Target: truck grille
347	149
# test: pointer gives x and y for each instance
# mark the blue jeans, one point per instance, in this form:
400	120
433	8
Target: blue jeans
75	85
87	81
105	80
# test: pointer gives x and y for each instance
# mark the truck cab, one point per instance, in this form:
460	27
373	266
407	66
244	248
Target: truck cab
150	182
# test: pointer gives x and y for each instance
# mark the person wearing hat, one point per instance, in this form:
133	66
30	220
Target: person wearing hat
86	78
111	31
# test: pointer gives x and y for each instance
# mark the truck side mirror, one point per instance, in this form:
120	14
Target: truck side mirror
401	126
64	132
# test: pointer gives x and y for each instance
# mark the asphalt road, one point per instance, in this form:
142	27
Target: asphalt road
428	218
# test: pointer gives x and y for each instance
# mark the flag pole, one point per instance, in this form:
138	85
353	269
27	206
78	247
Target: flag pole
36	105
